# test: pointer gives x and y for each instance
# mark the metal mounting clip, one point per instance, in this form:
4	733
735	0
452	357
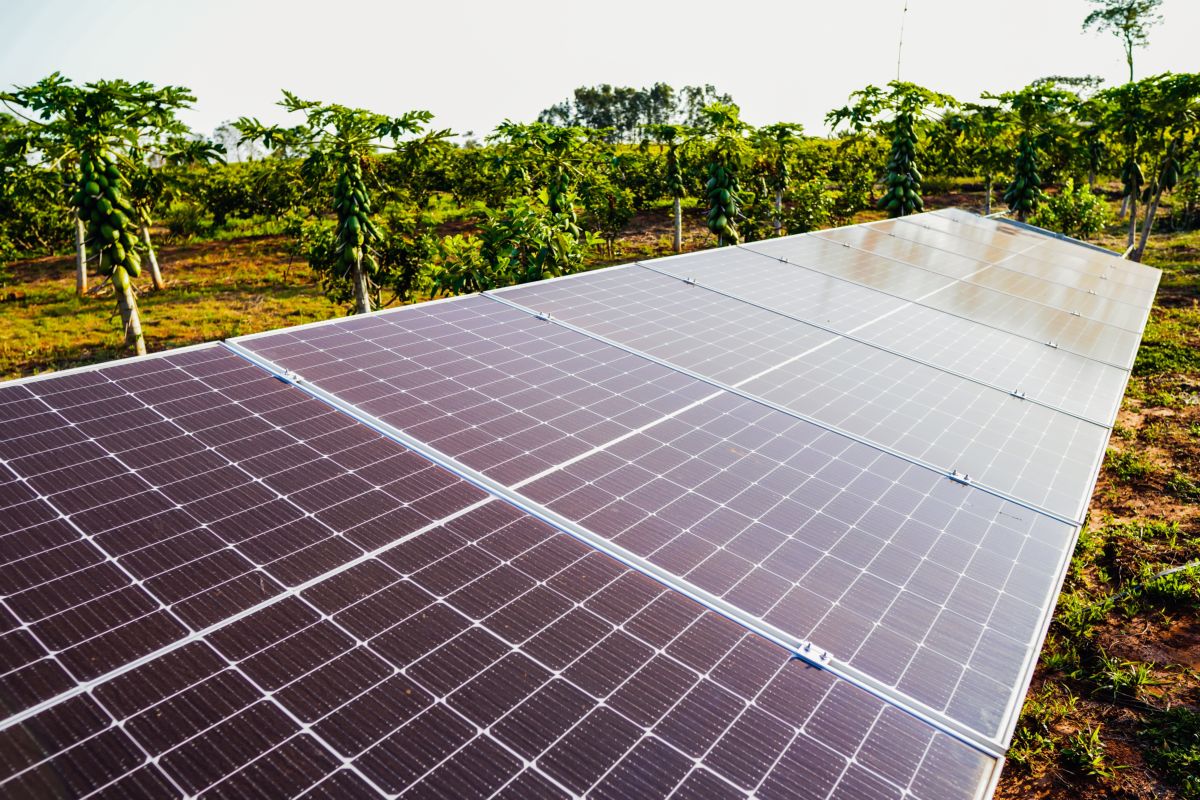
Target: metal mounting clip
1017	393
784	260
1075	314
543	316
1052	344
291	377
811	653
690	281
959	477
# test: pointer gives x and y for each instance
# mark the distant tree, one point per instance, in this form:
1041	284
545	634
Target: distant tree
1128	20
974	137
338	141
624	111
91	128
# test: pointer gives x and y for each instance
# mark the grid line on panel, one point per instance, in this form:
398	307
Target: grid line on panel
951	474
920	302
850	335
810	652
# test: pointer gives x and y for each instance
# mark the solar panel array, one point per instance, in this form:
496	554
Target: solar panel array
779	520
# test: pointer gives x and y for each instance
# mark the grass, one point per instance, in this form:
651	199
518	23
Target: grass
1114	708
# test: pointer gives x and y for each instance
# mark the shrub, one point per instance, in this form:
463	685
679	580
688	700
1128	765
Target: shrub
1074	211
809	207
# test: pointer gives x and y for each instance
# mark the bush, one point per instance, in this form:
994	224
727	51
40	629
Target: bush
185	220
809	207
1074	211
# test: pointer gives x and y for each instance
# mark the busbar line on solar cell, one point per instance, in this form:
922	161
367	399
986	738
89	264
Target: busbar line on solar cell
850	334
701	694
141	578
462	329
928	290
1008	288
800	647
952	471
1068	381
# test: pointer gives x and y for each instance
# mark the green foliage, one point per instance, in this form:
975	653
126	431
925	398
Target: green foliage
1182	486
1172	738
625	112
1128	465
1024	194
1083	752
808	207
1128	20
1075	211
727	155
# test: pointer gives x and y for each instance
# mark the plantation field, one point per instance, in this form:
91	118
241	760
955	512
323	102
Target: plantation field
1114	710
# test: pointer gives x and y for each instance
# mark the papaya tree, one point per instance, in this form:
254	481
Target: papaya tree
728	151
672	139
337	142
1037	117
898	114
1157	121
151	184
89	130
777	143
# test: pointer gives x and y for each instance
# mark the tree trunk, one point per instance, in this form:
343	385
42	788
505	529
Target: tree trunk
131	321
155	276
1147	227
1092	179
1124	207
362	296
80	257
678	226
987	202
1132	221
778	213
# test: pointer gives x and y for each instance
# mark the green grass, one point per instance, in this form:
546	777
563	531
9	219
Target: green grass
1172	742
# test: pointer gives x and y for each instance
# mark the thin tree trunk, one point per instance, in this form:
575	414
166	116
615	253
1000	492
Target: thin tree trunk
155	276
80	257
131	321
678	226
1132	222
778	213
1124	207
1147	227
1092	179
987	203
362	296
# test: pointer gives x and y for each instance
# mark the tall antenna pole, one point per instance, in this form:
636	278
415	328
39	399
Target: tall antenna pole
900	49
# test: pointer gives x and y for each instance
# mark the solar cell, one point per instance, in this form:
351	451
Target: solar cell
1052	375
747	503
490	656
1031	452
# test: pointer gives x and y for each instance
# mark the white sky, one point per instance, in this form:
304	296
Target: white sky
474	63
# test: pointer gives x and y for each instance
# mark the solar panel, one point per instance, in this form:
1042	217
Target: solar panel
1039	323
748	503
489	653
696	528
950	422
957	345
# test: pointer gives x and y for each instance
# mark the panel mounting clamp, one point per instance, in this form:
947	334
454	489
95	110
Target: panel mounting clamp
544	316
1017	393
690	281
1075	314
807	651
959	477
1052	344
291	377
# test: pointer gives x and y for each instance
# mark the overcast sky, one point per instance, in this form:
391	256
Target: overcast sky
474	63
